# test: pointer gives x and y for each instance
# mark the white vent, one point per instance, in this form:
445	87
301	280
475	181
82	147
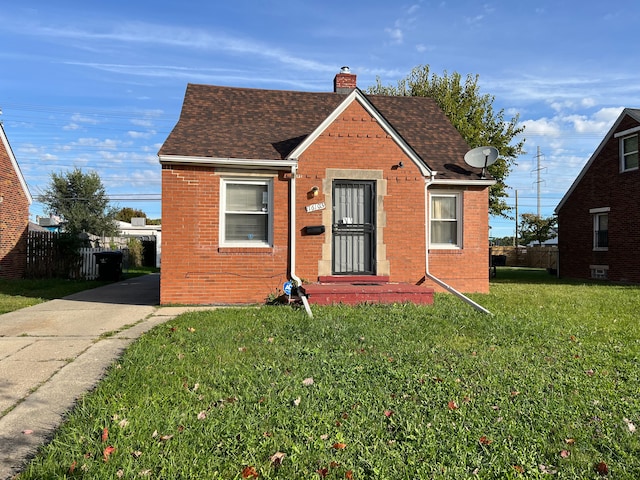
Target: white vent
138	222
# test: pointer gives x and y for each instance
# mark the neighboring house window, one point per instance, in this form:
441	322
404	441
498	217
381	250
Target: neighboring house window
629	153
446	220
601	230
246	212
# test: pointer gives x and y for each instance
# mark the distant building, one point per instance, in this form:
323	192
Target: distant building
598	218
149	235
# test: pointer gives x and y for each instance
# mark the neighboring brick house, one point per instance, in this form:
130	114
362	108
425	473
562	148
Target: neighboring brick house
261	186
15	200
598	222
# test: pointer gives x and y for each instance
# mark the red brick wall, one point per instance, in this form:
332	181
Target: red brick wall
196	270
602	186
466	269
14	220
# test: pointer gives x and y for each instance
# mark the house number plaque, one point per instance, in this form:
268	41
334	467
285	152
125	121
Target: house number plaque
314	207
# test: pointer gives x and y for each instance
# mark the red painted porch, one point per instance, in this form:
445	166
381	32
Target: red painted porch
352	290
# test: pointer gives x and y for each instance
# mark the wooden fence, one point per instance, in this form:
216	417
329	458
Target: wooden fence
47	258
533	257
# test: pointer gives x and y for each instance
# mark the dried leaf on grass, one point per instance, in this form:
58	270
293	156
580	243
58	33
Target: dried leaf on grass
107	452
547	469
249	472
630	425
277	458
601	468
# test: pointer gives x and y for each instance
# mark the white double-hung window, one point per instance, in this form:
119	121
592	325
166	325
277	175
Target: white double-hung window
600	228
446	220
629	153
246	207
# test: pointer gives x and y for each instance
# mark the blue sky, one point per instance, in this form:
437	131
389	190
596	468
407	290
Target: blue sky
99	85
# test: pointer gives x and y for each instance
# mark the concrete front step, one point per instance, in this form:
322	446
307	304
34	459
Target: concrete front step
364	291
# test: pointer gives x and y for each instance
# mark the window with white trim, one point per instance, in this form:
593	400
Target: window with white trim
599	272
601	231
629	153
446	220
246	212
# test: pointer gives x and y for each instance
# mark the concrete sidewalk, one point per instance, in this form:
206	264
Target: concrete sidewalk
52	353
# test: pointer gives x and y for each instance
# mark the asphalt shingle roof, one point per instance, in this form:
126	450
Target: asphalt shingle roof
244	123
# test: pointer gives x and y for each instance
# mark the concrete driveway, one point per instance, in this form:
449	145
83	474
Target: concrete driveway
54	352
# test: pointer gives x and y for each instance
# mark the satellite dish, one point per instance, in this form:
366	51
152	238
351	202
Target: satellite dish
481	157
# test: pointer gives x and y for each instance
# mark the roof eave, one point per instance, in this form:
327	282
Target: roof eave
14	162
481	182
228	162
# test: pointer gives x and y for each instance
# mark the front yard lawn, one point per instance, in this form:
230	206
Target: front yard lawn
548	387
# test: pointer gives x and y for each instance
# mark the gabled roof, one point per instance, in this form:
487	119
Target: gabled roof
252	126
14	163
634	113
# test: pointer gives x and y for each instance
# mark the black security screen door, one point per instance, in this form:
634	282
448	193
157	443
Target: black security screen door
353	227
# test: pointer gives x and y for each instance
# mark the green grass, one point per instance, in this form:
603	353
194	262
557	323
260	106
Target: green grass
20	293
550	383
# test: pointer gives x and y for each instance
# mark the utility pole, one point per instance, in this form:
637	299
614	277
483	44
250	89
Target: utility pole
538	179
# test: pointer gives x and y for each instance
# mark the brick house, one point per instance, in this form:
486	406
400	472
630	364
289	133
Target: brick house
598	225
15	200
262	186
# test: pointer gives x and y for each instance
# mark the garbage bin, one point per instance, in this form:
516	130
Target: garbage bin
109	265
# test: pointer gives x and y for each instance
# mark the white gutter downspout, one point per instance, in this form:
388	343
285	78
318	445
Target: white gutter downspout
292	239
428	275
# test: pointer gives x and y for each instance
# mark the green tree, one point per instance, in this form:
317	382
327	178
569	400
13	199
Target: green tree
127	213
472	114
81	201
536	229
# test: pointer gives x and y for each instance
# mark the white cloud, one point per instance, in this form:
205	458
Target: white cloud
542	127
137	135
97	143
142	122
79	118
395	34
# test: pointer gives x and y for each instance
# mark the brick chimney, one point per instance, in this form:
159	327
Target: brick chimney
344	82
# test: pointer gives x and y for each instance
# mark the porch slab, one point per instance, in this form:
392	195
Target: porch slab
366	292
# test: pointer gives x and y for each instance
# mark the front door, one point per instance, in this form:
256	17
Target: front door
353	232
